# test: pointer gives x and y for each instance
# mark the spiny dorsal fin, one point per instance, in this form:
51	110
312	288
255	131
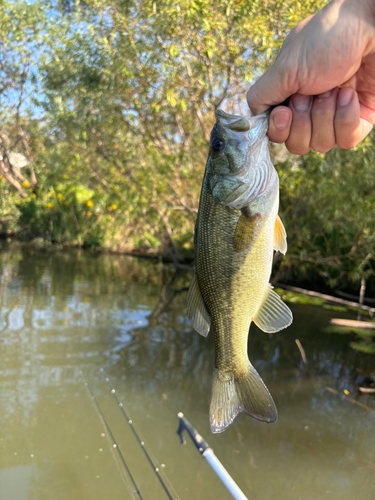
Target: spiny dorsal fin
273	315
197	312
279	237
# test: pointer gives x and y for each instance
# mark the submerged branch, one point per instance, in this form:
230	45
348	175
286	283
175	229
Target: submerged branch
302	351
329	298
351	400
351	323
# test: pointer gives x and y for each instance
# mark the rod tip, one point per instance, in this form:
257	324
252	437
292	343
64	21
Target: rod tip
180	414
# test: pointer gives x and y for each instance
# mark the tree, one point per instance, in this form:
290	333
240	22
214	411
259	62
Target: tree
20	34
133	88
111	105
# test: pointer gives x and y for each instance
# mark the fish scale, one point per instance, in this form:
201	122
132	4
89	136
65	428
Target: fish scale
236	231
227	293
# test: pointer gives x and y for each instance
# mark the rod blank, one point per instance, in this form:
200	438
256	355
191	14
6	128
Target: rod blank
208	453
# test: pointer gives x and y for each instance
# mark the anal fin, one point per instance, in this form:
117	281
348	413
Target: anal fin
232	394
197	312
273	315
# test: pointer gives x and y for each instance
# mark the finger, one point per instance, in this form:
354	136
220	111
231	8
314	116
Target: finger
322	116
299	138
367	113
367	119
348	127
269	90
282	79
366	127
279	124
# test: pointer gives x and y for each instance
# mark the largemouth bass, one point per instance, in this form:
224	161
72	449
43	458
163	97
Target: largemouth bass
236	232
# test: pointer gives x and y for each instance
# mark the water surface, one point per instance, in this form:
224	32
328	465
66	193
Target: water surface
65	315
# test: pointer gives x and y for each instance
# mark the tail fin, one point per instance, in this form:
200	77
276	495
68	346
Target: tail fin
232	394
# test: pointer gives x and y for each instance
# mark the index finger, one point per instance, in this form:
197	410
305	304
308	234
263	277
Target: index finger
267	92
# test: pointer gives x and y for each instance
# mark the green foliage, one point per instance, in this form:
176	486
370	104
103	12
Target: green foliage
328	203
298	298
8	210
134	88
111	104
68	213
364	338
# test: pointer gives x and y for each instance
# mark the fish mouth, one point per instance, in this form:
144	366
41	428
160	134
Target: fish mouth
256	126
233	122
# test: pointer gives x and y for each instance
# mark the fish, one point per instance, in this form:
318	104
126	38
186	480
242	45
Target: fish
236	232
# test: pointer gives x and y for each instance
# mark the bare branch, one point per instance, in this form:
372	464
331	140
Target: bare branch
5	173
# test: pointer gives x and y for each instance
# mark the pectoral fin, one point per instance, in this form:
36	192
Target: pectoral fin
273	315
197	312
279	237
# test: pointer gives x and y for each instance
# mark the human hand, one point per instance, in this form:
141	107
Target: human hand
327	68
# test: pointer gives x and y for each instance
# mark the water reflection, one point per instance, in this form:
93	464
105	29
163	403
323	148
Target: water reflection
67	312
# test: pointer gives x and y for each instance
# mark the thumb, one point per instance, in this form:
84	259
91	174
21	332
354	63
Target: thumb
268	91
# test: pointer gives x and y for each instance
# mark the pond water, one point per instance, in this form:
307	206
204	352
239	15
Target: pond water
71	319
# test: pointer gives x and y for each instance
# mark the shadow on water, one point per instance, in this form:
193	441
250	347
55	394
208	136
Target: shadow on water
67	312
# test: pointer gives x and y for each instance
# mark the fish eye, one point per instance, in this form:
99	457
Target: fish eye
218	145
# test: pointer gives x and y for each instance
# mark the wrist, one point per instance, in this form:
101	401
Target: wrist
358	16
365	9
369	9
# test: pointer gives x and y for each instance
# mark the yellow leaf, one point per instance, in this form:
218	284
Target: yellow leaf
171	99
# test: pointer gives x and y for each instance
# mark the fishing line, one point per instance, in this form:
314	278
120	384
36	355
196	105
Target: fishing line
114	445
141	443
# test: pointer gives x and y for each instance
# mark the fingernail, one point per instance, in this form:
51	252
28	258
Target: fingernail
301	102
325	94
345	96
281	120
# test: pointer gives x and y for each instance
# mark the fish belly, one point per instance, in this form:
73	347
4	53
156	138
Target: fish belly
232	283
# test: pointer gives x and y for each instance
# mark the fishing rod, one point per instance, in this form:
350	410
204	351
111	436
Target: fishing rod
155	468
208	453
114	444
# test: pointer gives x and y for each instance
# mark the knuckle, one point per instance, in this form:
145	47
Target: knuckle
347	143
322	146
347	138
323	149
297	150
277	135
344	120
322	111
276	140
